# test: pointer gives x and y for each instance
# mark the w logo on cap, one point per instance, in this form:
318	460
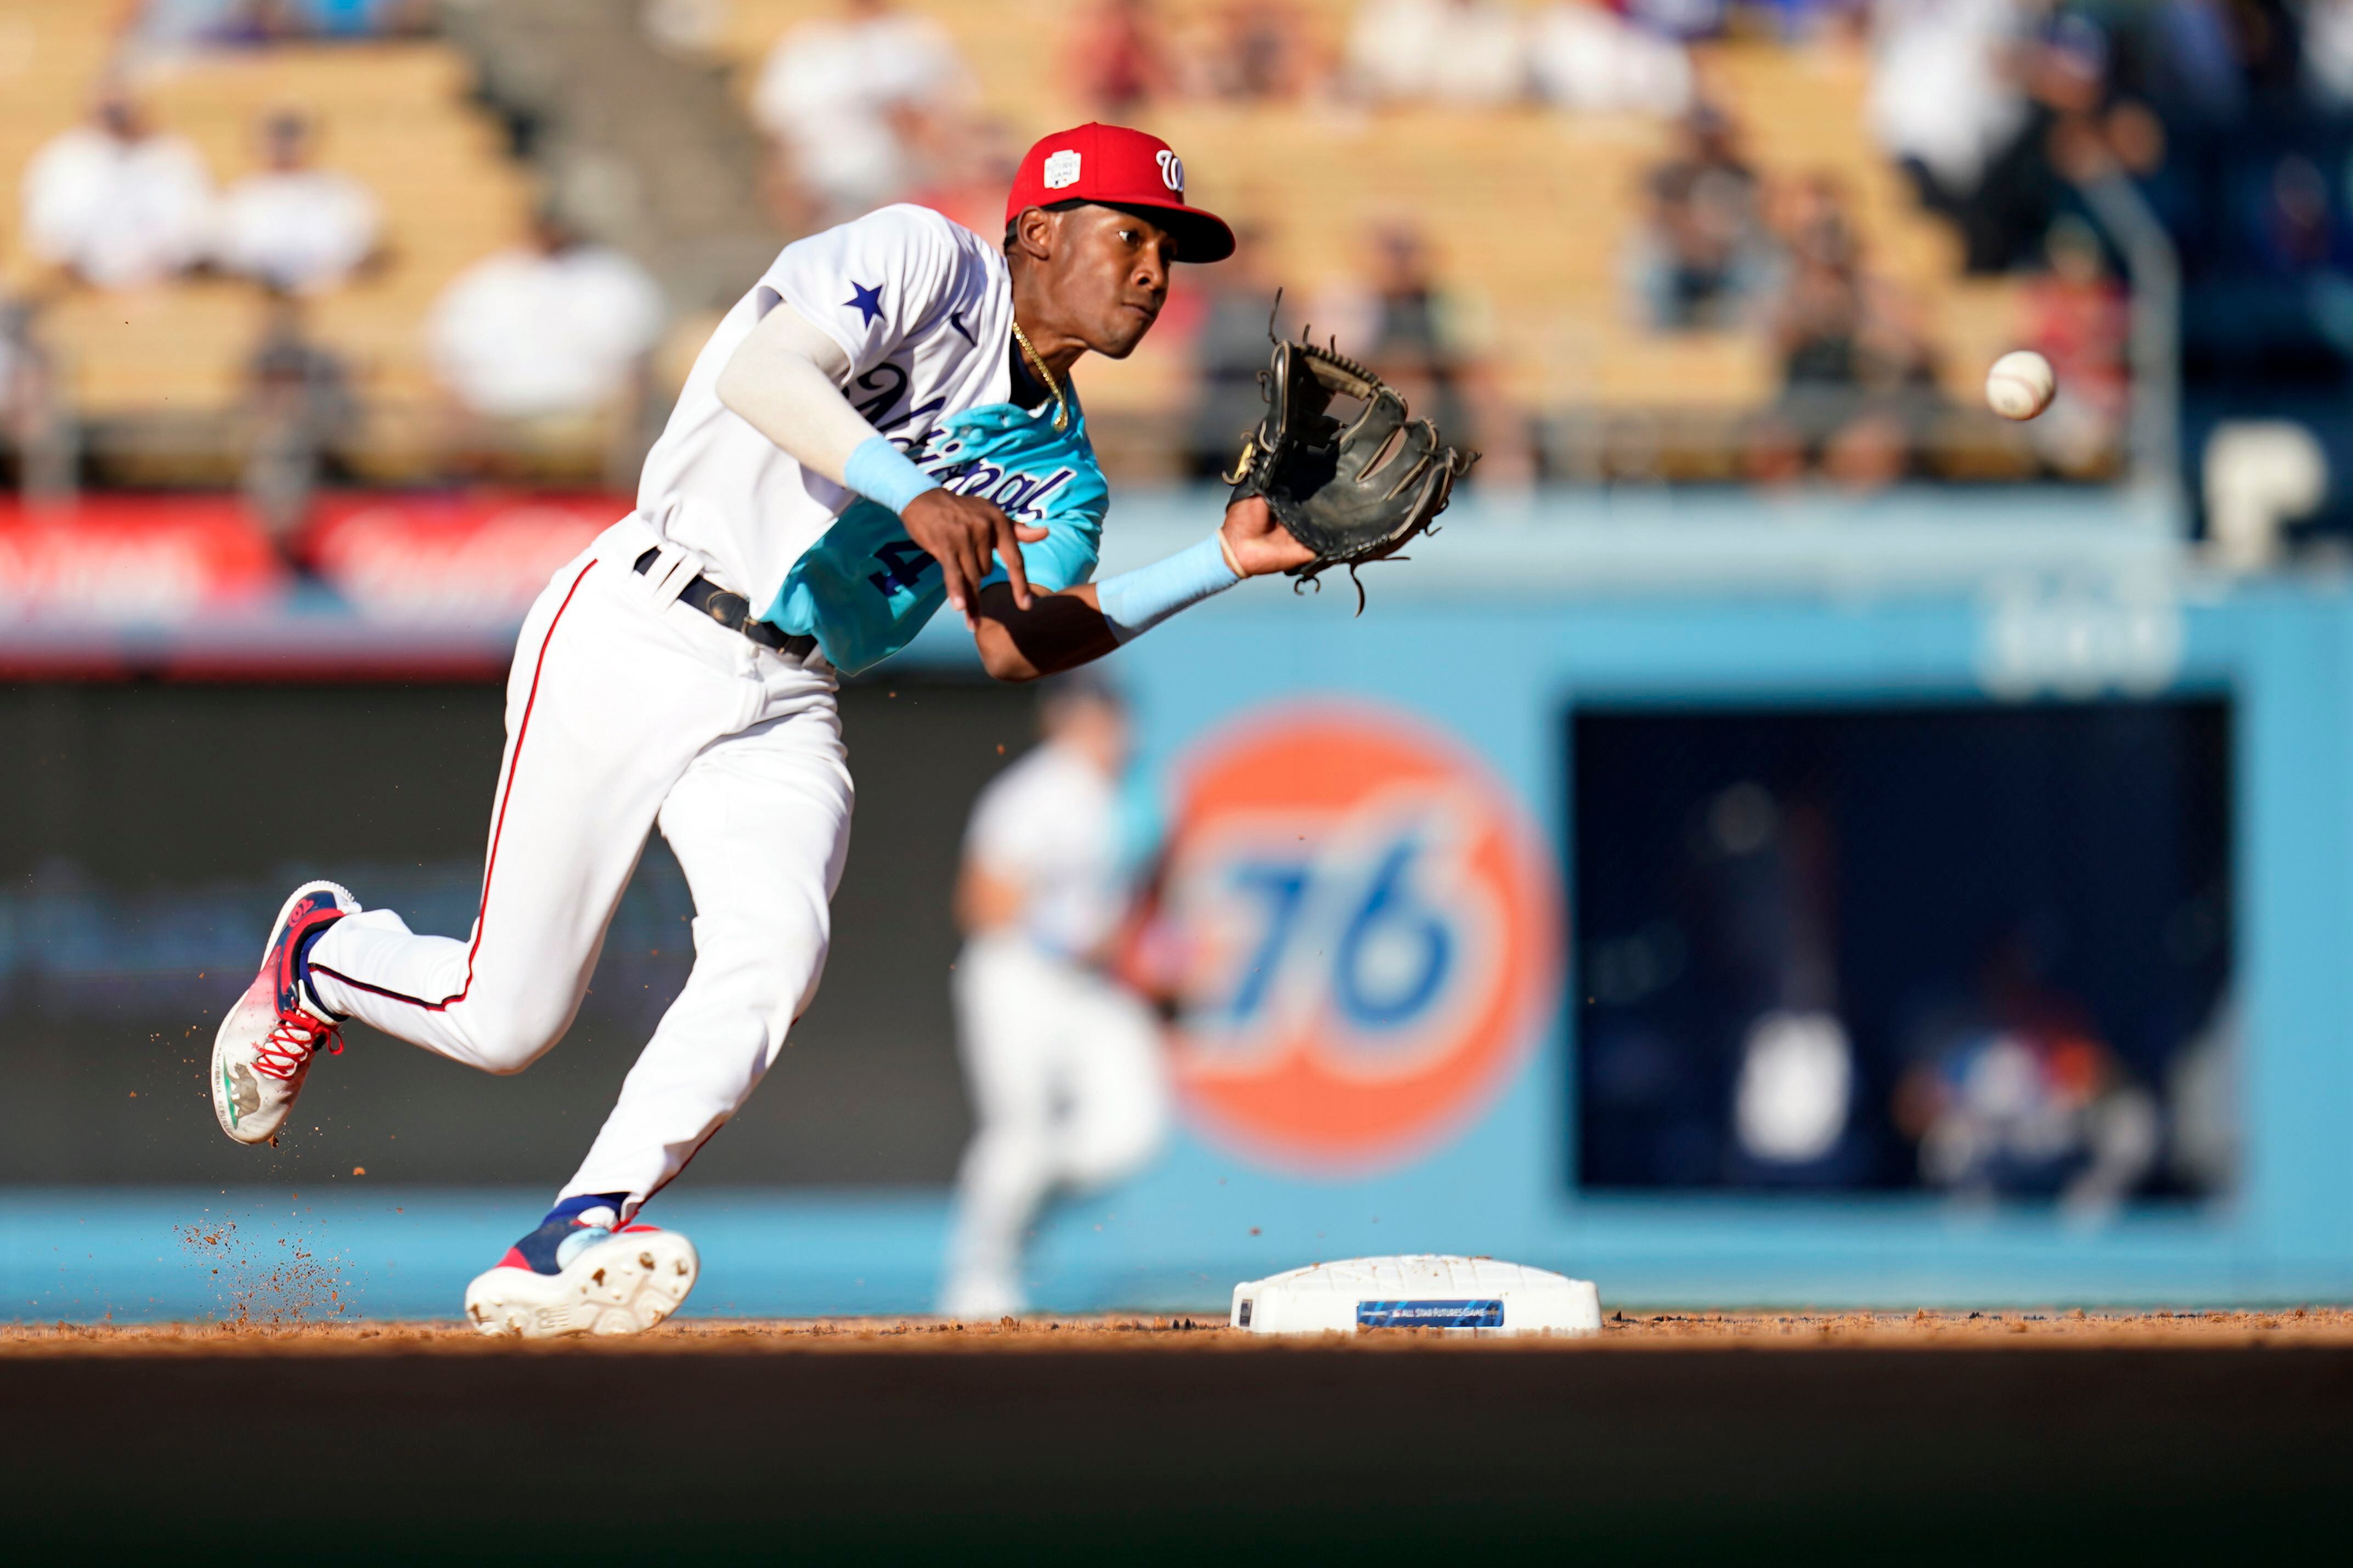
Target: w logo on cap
1113	166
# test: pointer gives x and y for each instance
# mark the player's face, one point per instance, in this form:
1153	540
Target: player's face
1109	276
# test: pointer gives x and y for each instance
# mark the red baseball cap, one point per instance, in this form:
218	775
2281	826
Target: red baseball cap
1120	168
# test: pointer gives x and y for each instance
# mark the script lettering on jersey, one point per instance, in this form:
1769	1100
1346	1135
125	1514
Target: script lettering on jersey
1020	497
885	386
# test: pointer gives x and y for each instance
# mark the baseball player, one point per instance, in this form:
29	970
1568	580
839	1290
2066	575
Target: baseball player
1064	1064
883	424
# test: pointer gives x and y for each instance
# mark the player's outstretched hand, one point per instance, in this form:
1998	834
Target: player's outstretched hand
1256	544
961	532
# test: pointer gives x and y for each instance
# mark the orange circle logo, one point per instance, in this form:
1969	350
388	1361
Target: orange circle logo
1367	931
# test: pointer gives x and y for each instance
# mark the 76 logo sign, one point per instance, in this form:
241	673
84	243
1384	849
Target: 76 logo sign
1368	934
1357	932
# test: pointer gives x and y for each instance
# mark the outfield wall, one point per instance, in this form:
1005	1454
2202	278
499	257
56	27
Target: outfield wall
1496	663
1420	1071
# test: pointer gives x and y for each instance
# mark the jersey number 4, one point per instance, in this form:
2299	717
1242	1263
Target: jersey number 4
903	568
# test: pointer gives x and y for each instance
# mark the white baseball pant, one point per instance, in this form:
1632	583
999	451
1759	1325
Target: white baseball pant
628	709
1068	1090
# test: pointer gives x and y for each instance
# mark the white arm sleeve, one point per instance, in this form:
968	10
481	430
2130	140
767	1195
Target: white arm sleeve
786	380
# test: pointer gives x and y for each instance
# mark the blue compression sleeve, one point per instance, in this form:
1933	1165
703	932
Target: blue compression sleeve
1135	601
883	475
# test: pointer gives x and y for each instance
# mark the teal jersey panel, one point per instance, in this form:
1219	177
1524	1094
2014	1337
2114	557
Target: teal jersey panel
865	589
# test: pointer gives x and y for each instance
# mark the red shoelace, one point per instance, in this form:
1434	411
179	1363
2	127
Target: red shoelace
292	1043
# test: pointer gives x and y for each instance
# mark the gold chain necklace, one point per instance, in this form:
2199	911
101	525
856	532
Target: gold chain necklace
1038	363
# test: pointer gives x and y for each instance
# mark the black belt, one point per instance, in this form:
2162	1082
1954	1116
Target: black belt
733	611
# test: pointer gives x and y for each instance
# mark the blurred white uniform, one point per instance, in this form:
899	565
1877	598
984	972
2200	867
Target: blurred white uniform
524	333
1468	54
298	228
123	213
1066	1080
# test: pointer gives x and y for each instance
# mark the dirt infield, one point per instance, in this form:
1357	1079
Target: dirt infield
2047	1328
1927	1438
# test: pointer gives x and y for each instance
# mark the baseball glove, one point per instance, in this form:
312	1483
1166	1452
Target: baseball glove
1350	493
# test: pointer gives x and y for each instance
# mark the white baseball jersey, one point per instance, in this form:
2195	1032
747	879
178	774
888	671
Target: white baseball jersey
923	306
1051	823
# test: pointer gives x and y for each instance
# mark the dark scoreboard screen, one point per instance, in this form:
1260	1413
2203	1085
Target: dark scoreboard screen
1975	950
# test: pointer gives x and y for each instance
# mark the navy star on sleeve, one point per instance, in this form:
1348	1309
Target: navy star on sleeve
872	284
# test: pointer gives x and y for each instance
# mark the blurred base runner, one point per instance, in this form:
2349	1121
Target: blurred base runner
1068	1090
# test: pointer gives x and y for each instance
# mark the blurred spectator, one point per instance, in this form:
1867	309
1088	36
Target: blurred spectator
545	337
1858	379
2018	1094
1469	53
1674	18
2078	318
291	224
35	429
1429	341
368	18
1229	351
1126	54
298	409
853	101
1586	58
2027	185
1119	59
2297	228
2328	51
1067	1086
1993	119
116	203
258	22
2216	60
275	21
1944	101
1766	877
1253	51
1795	20
1705	258
970	179
19	363
1813	220
1416	340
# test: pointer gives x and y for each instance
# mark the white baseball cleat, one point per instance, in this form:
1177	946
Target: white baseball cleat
264	1049
583	1277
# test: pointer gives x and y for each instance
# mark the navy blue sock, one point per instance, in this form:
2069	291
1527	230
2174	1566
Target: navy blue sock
566	1210
302	961
539	1249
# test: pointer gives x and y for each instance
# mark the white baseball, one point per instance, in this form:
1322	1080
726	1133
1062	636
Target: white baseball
2020	385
